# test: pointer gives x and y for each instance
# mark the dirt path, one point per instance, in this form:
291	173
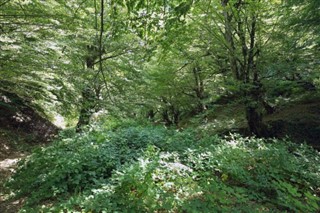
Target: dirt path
14	145
7	167
9	157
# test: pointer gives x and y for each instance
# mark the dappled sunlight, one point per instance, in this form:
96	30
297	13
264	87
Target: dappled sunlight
59	121
9	163
140	168
159	106
218	124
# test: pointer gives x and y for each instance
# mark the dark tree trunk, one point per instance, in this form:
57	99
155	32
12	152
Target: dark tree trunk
88	107
151	115
89	94
254	110
254	119
176	116
166	118
171	116
199	89
84	119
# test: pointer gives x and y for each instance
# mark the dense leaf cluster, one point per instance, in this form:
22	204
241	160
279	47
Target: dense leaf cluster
130	168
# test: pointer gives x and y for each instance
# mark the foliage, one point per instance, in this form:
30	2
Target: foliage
171	57
32	49
168	61
153	169
73	164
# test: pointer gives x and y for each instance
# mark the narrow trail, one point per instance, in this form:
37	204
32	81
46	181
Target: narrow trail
9	157
7	167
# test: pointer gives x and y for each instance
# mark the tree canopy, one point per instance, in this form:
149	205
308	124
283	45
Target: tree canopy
171	58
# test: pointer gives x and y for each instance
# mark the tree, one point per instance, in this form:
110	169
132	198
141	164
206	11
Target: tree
107	56
166	59
238	28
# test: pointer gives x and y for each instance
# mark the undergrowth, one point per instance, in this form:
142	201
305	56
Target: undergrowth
130	168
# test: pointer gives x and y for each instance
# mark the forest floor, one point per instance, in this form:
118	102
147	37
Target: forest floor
13	147
300	119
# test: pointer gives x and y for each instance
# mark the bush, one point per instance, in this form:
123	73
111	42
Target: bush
152	169
71	165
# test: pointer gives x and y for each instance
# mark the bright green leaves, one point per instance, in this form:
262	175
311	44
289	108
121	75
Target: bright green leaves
291	198
34	57
155	169
150	49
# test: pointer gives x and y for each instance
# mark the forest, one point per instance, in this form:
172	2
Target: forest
159	106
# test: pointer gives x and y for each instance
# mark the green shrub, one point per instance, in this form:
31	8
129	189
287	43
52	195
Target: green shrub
71	165
153	169
237	175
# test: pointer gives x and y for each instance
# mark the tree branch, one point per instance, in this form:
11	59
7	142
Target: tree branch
109	57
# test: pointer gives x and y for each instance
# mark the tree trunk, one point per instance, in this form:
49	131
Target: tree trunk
254	110
199	89
84	119
228	35
89	96
166	118
176	116
240	28
151	115
254	119
88	106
